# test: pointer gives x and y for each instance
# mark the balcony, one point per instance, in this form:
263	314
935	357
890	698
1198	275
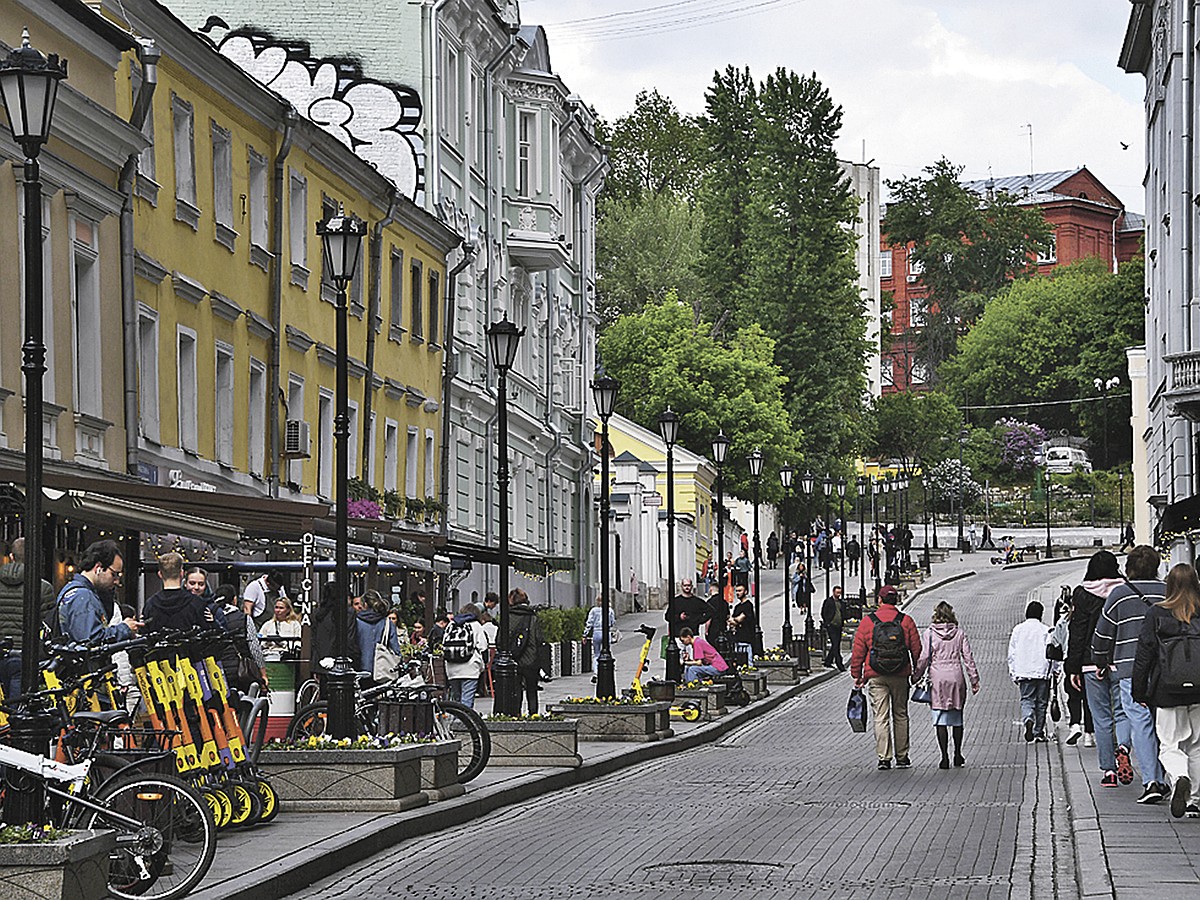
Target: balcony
1183	384
536	244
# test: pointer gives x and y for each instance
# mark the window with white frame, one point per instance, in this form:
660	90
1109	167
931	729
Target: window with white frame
915	266
526	152
885	263
183	132
298	227
222	161
354	296
567	201
412	462
188	397
554	157
147	348
396	293
223	404
329	209
919	373
435	322
257	202
85	306
414	299
463	493
1049	255
391	446
918	311
256	433
295	410
325	444
473	119
887	369
451	118
478	158
430	465
352	443
481	484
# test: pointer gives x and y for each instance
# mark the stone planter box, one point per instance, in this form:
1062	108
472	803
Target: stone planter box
755	684
628	722
535	743
710	697
371	780
785	671
73	868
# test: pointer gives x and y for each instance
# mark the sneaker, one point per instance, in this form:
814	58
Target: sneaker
1075	735
1109	779
1028	730
903	762
1124	766
1179	796
885	764
1040	739
1192	811
1151	794
1089	740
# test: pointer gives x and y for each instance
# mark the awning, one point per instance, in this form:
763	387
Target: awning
1180	517
328	546
100	509
527	563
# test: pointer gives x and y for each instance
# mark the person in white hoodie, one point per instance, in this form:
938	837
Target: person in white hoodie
1030	670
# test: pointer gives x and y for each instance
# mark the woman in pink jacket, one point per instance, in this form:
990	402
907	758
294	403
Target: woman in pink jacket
945	651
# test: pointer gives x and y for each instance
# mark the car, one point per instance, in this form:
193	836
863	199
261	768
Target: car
1065	460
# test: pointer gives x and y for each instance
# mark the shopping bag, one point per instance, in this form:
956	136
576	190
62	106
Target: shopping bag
856	710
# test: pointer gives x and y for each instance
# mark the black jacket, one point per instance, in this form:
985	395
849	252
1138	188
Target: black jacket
323	628
12	601
744	631
174	609
1086	610
831	611
690	612
522	620
718	622
1145	684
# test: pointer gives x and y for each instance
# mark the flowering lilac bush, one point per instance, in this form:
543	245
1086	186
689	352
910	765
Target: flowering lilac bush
1019	443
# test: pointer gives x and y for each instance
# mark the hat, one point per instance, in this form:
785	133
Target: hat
888	594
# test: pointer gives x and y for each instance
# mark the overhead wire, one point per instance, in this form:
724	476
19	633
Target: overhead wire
638	23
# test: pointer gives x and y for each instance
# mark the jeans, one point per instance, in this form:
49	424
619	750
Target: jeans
1035	697
1145	741
529	686
463	690
1112	728
748	649
597	643
694	672
10	675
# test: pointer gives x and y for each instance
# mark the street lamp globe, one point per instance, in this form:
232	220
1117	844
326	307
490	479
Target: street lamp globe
841	488
604	390
827	485
720	448
503	338
668	426
785	475
341	235
755	460
806	482
864	484
29	85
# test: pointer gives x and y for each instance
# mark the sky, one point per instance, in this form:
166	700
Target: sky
917	79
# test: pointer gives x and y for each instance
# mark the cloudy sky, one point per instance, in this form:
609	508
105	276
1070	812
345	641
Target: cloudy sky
917	79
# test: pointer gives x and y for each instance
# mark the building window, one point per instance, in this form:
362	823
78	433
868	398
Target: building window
885	263
396	289
480	101
412	462
185	162
223	406
418	326
526	152
370	464
147	350
188	398
222	161
919	373
451	125
257	202
391	441
85	305
430	465
887	370
325	444
329	209
916	268
295	410
918	312
1049	256
355	293
256	433
298	228
435	325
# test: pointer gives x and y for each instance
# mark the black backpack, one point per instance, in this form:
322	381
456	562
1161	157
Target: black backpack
1179	662
889	647
458	642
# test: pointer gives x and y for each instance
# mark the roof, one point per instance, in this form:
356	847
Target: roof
1022	185
626	457
1133	222
648	468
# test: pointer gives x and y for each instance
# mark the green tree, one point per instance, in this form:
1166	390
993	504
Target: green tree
917	429
968	248
653	150
663	357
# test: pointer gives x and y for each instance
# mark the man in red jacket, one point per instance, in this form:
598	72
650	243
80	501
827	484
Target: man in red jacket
886	647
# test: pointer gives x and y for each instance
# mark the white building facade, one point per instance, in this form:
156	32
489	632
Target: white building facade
865	184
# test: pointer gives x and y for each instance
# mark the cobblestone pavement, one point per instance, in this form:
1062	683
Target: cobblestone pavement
791	805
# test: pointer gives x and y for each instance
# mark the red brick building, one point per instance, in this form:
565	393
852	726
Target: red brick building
1088	221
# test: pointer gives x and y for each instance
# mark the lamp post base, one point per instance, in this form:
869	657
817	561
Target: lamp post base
787	638
758	640
507	686
341	681
25	798
606	681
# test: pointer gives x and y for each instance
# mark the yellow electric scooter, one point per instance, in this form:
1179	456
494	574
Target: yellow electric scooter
688	710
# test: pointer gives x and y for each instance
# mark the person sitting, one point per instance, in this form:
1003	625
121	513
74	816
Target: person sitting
282	631
703	659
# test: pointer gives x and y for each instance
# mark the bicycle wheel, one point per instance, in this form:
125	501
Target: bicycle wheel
309	721
174	848
308	694
462	723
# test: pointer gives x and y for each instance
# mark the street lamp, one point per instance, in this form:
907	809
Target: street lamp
864	484
1121	494
925	519
807	482
341	236
503	339
668	427
827	490
841	492
1104	386
755	461
785	478
29	84
720	448
604	390
876	492
962	440
1047	483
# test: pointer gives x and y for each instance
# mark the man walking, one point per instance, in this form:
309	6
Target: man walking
831	623
1030	670
1114	646
886	648
853	552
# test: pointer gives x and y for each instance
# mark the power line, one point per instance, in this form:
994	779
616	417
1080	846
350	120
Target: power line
1046	402
629	25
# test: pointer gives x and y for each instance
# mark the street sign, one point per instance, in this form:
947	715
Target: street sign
654	499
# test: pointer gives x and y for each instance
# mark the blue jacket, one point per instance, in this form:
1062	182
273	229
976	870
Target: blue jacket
82	616
370	626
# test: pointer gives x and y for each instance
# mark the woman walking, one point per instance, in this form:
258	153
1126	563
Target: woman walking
1079	714
945	651
1171	635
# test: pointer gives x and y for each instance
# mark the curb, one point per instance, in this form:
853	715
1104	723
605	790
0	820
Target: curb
934	585
281	877
1087	837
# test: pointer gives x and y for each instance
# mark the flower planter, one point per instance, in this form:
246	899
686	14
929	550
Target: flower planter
331	780
439	771
755	684
536	742
710	697
71	868
785	671
636	722
661	691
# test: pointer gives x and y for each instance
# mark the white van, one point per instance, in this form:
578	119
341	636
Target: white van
1065	460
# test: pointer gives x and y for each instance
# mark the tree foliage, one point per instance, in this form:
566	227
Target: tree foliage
913	428
654	150
663	357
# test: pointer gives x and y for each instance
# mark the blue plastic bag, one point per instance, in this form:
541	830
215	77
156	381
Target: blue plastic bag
856	710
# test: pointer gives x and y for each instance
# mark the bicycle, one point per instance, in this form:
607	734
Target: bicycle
166	836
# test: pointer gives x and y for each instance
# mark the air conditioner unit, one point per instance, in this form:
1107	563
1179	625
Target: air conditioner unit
296	442
913	278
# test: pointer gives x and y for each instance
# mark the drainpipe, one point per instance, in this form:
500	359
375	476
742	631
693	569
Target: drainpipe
149	55
374	291
1187	141
290	117
449	370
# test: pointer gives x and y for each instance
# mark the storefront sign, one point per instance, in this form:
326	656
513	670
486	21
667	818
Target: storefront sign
309	549
179	480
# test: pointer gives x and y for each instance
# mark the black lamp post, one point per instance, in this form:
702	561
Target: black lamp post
925	520
962	440
902	486
1047	484
720	448
841	492
668	427
1121	495
503	340
29	84
807	483
604	390
933	512
827	489
877	492
863	486
342	236
785	479
755	460
1104	386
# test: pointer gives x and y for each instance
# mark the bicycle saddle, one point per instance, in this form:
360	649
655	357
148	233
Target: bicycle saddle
103	717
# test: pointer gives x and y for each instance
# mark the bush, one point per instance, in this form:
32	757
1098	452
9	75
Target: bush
574	619
551	619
